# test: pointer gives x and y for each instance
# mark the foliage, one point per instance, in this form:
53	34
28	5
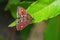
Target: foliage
46	12
13	23
1	1
12	6
40	10
1	38
52	31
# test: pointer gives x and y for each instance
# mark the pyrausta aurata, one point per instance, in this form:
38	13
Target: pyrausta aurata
24	18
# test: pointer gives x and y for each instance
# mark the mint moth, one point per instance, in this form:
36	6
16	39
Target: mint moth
24	18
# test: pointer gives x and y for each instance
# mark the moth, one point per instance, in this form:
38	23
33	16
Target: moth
24	18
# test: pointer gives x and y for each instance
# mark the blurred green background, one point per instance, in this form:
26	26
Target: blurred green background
46	9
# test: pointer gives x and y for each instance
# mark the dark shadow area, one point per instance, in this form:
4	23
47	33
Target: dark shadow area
5	20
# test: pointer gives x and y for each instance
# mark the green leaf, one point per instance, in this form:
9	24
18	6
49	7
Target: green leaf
14	13
25	4
52	31
46	1
12	6
35	7
13	24
47	12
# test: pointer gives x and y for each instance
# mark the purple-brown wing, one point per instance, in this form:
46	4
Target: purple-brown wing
23	18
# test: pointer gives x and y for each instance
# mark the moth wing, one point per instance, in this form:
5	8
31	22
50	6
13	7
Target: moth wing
24	18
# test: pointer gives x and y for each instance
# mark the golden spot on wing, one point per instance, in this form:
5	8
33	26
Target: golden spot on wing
21	15
22	10
21	26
